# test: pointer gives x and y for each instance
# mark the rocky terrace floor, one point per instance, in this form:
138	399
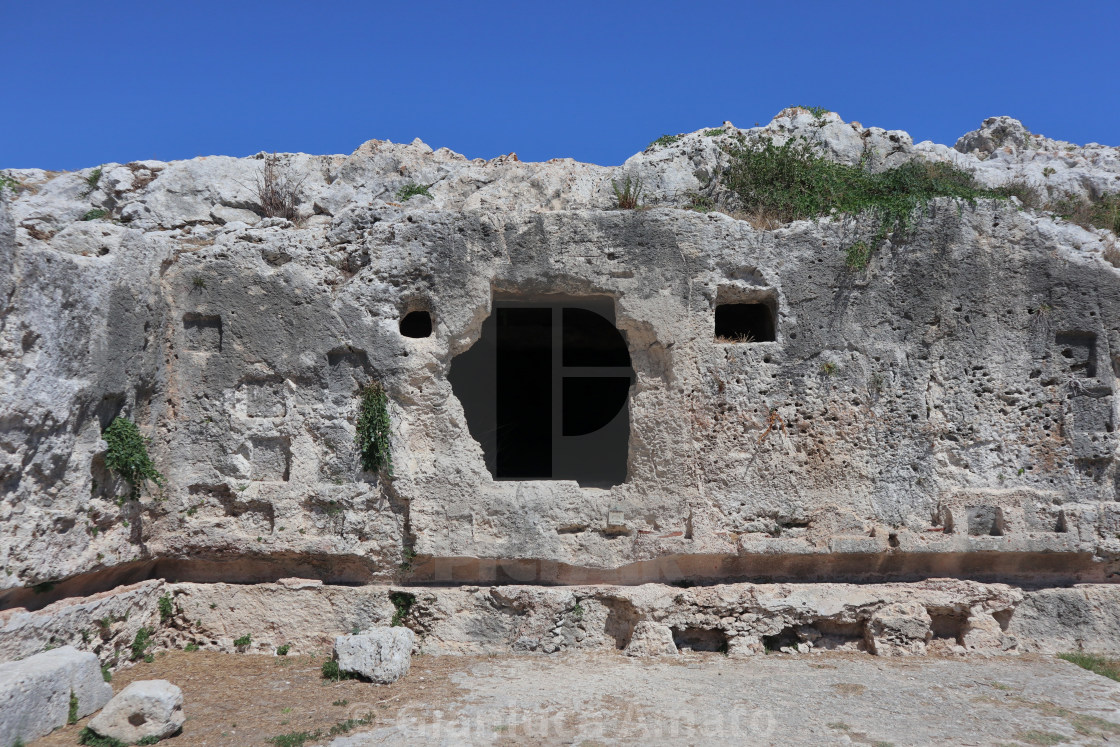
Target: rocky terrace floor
593	699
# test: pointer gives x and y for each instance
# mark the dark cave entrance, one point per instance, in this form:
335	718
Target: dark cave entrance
545	390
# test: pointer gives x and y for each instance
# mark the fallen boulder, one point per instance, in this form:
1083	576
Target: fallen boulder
144	709
42	692
651	639
381	655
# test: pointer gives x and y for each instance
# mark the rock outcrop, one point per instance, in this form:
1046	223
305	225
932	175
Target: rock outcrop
948	411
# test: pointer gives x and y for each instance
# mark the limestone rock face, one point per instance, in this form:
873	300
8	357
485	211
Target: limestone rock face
953	403
901	629
146	708
35	692
381	655
651	639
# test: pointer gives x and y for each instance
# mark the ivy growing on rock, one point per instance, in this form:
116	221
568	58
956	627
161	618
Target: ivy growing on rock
127	455
373	430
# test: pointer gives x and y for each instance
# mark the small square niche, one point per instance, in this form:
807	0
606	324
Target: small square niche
745	322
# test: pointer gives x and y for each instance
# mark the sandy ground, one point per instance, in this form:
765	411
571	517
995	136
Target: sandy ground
601	698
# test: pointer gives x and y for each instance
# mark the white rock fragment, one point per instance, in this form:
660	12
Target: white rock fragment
381	655
146	708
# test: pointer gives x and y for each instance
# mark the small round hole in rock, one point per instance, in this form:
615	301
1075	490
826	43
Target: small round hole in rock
417	324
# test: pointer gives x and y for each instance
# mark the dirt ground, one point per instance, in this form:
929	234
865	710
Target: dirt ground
603	698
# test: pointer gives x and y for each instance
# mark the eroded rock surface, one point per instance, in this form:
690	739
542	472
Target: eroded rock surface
949	411
40	693
146	709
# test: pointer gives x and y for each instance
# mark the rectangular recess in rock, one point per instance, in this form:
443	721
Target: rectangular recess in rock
264	398
1079	349
270	459
1092	411
203	332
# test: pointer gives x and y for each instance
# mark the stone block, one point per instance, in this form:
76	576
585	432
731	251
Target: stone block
381	655
35	692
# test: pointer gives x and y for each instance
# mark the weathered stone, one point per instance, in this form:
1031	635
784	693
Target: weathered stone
381	655
144	709
901	629
36	692
651	639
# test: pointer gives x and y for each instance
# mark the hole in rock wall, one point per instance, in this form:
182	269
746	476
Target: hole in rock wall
269	459
416	324
745	322
700	639
545	390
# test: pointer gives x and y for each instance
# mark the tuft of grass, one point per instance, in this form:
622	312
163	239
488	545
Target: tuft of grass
7	182
410	190
341	703
141	643
198	282
93	178
1095	663
95	214
106	673
192	646
816	111
403	602
90	738
664	140
330	671
284	649
277	190
127	455
295	738
244	640
72	716
372	433
628	194
829	369
713	132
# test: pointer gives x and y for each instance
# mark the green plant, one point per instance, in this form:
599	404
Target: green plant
141	643
341	703
857	256
295	738
7	182
576	612
1095	663
198	281
1035	736
95	214
627	196
127	455
664	140
344	726
331	671
1103	212
72	717
407	556
92	739
713	132
402	602
192	646
372	436
1049	171
150	739
244	640
106	673
165	609
149	658
411	190
793	181
85	636
283	649
828	369
93	178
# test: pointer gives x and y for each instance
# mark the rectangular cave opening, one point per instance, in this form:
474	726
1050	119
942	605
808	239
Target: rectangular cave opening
745	322
545	390
700	639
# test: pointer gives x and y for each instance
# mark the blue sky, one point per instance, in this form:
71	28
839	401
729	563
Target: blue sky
86	83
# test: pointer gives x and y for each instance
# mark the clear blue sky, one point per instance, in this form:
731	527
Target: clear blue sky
90	82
